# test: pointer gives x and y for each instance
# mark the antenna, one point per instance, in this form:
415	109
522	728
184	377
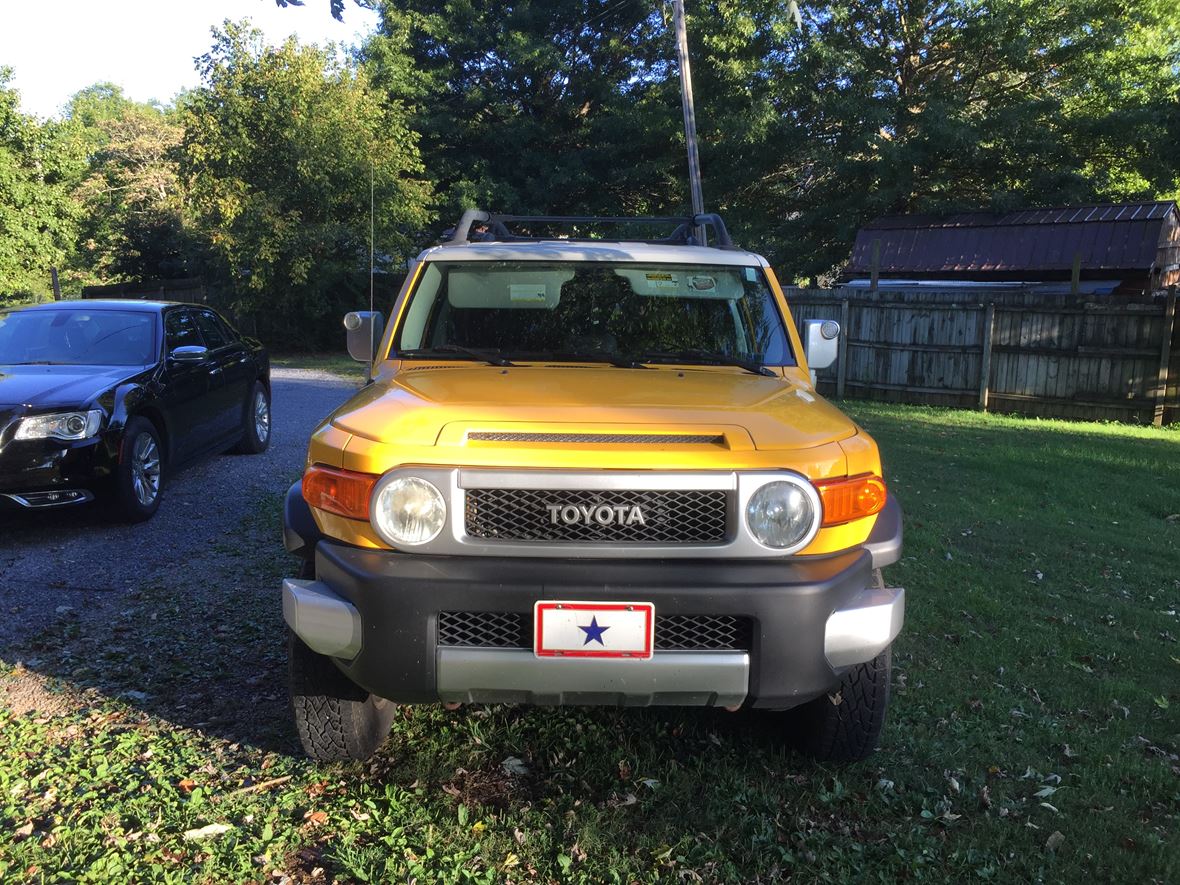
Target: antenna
372	262
690	118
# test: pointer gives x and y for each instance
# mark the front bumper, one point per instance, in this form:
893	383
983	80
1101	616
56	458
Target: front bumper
52	473
377	614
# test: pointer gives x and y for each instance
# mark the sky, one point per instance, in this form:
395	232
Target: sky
56	47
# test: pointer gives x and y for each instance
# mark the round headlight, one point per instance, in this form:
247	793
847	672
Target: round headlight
76	425
409	510
782	514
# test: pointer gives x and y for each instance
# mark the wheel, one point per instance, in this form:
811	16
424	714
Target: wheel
255	422
337	721
843	726
139	477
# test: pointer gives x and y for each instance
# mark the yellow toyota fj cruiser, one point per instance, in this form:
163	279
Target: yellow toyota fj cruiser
591	471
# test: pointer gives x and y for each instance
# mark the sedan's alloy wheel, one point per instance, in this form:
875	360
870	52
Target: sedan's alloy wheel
145	469
261	416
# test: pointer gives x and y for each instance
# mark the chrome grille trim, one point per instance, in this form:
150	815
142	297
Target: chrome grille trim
739	543
657	439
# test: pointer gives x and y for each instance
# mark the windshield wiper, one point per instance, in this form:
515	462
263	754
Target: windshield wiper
491	357
615	359
706	356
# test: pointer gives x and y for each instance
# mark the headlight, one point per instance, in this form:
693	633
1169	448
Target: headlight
60	425
783	514
408	510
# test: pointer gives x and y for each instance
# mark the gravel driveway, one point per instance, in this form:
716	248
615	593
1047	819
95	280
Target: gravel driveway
77	563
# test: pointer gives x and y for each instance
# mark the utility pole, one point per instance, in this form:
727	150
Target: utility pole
690	117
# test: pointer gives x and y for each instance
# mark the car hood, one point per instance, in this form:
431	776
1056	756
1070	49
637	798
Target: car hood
440	404
42	387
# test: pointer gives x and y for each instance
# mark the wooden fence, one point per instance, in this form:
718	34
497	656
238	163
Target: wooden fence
1004	351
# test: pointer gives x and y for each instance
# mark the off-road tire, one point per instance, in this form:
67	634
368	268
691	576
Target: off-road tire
843	725
128	506
337	720
255	441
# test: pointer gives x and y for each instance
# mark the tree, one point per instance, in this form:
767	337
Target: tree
337	6
280	149
133	224
39	165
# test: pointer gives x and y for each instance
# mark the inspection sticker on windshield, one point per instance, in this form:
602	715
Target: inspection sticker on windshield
594	629
661	280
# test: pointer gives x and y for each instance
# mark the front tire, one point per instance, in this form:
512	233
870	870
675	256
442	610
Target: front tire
139	476
843	726
255	422
337	720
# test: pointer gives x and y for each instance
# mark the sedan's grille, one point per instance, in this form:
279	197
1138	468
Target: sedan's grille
631	517
658	439
673	632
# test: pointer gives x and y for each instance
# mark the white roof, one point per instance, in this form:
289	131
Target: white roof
598	250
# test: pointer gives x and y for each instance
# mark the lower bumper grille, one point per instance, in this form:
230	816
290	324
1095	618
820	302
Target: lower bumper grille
673	632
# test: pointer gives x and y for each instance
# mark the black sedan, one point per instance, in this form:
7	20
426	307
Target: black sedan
101	399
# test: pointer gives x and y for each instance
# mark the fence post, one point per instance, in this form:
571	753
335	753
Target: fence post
875	268
985	363
1161	391
842	358
1075	277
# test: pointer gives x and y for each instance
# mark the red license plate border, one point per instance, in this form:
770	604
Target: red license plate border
648	608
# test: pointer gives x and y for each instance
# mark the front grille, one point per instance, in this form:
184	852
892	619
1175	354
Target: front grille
485	630
673	632
665	439
668	517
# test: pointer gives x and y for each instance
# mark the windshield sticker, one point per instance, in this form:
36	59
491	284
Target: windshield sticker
702	284
661	280
750	274
531	292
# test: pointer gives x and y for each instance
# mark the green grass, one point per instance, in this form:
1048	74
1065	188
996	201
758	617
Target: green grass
337	363
1033	735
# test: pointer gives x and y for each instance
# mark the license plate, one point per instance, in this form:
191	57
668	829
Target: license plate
594	629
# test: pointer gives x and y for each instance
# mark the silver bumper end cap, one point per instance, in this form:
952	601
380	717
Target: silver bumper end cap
509	676
865	628
327	624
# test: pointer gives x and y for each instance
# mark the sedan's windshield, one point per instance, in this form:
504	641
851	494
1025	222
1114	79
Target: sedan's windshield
76	337
595	311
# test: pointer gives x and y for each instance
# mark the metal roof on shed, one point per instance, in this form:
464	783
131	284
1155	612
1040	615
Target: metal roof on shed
1110	236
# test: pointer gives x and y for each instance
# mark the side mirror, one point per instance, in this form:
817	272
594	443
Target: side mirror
364	330
821	343
190	353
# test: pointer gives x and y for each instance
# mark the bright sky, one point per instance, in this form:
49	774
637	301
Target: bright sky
57	47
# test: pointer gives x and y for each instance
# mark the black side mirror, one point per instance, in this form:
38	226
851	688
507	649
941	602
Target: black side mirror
189	354
364	330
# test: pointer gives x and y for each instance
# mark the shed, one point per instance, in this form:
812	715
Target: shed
1121	248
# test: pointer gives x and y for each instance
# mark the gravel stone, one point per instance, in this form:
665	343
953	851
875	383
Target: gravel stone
77	560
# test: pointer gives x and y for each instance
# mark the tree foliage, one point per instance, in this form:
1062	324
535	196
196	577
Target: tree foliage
281	147
39	165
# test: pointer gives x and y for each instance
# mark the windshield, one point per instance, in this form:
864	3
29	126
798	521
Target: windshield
74	337
594	311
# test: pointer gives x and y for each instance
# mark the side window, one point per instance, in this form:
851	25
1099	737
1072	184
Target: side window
211	330
180	330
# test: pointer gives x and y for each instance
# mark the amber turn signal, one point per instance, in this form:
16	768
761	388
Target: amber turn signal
343	492
848	499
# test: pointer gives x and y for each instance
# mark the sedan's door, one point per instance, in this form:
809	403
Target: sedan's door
188	390
234	376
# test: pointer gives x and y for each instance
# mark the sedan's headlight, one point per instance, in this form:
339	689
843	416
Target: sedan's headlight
408	510
783	514
60	425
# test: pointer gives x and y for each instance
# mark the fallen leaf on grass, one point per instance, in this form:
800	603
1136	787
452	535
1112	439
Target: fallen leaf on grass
207	832
1161	702
1045	793
186	785
23	832
1054	841
514	766
316	818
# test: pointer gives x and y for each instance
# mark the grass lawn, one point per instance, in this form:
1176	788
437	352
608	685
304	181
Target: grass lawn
336	363
1033	735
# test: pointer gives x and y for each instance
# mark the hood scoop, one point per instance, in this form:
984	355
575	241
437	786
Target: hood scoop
611	439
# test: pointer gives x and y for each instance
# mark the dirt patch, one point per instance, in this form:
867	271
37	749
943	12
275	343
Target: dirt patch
26	693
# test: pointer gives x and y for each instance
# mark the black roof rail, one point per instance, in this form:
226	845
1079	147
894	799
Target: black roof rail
498	230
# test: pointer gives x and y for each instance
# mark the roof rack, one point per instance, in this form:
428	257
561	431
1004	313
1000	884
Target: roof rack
683	234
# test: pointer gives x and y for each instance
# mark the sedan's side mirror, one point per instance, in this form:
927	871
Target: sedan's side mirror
821	343
364	328
190	353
